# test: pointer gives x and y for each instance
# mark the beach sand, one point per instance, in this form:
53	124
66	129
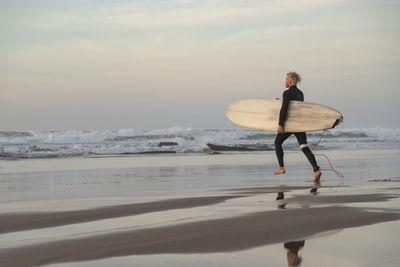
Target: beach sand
197	210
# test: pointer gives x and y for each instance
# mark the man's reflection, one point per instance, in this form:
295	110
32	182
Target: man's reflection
292	255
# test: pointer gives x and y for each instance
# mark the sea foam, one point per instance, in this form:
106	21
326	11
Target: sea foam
36	144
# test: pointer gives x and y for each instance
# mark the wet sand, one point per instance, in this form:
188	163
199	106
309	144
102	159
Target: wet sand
191	218
223	235
25	221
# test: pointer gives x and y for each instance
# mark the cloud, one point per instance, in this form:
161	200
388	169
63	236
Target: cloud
178	51
158	15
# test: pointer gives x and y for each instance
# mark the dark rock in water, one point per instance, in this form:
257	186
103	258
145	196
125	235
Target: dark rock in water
150	152
161	144
157	152
229	148
380	180
239	147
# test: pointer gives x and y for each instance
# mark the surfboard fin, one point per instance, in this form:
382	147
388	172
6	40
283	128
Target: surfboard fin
337	122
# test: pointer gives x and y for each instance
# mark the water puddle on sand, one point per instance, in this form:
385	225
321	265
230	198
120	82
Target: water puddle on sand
372	245
228	208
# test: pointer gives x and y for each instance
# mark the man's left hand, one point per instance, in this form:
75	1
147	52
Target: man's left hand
280	129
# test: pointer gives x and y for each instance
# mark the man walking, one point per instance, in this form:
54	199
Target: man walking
292	93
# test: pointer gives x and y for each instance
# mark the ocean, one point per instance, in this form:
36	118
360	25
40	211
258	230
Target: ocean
51	144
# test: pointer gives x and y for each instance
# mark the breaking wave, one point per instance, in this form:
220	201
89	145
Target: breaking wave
42	144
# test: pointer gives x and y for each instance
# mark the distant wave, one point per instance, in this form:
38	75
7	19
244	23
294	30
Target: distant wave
14	134
342	134
42	144
149	137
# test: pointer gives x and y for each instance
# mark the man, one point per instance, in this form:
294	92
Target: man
292	93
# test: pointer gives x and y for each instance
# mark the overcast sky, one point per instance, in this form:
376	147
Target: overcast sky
97	64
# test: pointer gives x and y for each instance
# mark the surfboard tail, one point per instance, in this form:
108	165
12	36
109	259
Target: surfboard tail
337	122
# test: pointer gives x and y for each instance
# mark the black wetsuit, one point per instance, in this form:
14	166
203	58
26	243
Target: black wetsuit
293	93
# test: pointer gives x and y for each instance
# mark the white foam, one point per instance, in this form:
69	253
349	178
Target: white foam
111	142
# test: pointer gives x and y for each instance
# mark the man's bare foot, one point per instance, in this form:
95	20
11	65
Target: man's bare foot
280	171
317	176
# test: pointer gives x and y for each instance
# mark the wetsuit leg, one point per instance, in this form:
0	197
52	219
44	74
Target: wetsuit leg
302	139
280	138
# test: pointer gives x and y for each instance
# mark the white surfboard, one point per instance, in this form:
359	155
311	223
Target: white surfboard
263	114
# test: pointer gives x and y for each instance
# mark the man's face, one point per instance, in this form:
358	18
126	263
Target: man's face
287	83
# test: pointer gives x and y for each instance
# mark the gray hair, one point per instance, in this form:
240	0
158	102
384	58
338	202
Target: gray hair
294	77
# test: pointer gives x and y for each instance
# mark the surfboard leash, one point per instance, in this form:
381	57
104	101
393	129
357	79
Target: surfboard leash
332	168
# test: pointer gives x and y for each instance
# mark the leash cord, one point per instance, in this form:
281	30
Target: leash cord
323	155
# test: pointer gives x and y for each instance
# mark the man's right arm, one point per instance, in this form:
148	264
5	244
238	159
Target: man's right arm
284	109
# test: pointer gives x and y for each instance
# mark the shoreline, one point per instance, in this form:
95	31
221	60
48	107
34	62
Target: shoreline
185	159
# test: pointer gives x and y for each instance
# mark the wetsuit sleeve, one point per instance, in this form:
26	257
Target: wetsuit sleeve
284	109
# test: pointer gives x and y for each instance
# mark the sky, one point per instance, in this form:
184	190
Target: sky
99	64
